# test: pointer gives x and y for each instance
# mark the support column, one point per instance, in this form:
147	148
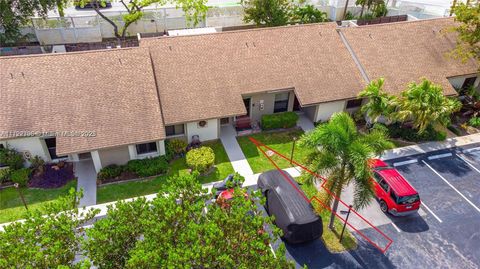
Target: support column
132	151
161	147
96	161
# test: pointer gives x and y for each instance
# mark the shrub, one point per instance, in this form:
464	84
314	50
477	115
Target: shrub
454	129
474	122
36	162
21	176
176	146
148	167
396	130
109	172
11	158
279	120
201	159
4	174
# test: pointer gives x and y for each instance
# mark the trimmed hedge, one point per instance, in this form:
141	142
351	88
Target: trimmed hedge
279	120
148	167
109	172
200	159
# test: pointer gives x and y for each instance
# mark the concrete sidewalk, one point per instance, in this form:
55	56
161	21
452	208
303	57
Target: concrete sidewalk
430	146
86	180
228	136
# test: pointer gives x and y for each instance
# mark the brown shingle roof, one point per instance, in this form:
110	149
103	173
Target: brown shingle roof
406	51
110	92
201	77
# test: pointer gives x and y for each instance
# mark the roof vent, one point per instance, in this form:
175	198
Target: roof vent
370	35
246	44
170	47
120	61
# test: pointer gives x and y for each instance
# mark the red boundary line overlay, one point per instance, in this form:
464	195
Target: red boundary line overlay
259	144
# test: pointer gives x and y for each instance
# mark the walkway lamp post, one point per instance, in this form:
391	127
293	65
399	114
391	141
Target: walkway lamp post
17	186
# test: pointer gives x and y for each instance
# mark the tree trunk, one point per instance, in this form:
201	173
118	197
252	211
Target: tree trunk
345	10
334	210
361	12
454	4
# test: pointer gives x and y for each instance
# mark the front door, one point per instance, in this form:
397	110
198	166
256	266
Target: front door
246	102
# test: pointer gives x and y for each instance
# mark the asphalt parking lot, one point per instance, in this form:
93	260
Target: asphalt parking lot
444	234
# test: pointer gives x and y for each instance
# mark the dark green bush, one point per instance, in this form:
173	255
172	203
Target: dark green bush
148	167
279	120
21	176
11	158
201	159
454	130
4	174
110	172
396	130
474	122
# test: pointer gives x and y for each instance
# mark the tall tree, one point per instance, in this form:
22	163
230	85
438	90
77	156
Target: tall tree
308	14
16	14
379	102
195	10
468	41
267	12
343	155
46	240
424	104
180	229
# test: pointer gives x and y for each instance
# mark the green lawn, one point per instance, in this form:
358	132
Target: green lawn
114	192
282	142
11	206
331	237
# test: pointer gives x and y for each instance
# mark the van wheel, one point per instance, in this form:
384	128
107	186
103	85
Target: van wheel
383	206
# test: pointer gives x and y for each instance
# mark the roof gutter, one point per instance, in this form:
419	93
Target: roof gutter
354	56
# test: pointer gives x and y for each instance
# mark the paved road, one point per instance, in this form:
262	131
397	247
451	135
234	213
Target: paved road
446	237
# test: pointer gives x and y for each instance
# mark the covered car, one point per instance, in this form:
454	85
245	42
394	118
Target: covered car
288	204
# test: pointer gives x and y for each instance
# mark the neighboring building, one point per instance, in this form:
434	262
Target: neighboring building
106	102
133	99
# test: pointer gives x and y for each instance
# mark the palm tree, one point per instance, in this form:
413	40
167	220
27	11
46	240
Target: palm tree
343	155
424	104
379	102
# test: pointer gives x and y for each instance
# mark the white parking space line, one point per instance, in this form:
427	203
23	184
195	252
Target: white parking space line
396	228
455	189
431	212
471	150
439	156
405	163
468	162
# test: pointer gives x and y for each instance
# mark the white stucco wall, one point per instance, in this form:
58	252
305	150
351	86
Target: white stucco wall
209	132
34	145
326	110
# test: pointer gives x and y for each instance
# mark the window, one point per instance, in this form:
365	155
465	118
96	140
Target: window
146	148
224	121
394	196
384	185
377	177
355	103
281	102
175	130
469	82
52	148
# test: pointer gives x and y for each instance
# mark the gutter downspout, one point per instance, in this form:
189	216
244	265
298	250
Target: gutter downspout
354	57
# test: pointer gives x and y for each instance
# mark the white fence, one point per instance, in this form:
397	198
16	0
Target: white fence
78	29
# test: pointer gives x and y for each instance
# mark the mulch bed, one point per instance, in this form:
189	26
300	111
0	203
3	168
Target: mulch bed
52	176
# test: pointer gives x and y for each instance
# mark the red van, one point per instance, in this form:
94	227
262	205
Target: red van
395	195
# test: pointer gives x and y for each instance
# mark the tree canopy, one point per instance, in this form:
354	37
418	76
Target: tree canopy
181	228
424	104
468	41
343	154
280	12
379	102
